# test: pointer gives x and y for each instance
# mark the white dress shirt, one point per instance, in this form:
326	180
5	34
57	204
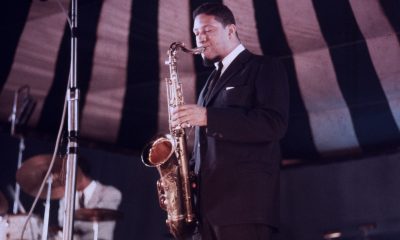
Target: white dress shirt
230	57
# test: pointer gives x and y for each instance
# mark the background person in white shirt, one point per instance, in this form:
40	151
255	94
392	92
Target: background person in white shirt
95	195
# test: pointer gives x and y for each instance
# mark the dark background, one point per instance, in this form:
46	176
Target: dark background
334	196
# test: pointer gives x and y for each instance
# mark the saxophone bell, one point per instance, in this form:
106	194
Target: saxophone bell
158	151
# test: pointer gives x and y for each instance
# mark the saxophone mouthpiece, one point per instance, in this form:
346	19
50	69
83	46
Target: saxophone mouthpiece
201	50
197	50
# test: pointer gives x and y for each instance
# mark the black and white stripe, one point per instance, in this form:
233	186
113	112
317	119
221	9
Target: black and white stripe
317	79
298	140
35	57
373	122
139	113
107	87
88	13
15	12
341	58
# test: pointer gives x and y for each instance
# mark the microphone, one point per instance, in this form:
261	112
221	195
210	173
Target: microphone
22	110
13	115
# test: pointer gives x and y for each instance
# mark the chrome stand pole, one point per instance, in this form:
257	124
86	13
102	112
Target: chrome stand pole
47	209
73	118
17	187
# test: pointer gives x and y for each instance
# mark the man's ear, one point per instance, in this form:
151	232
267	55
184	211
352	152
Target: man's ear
232	30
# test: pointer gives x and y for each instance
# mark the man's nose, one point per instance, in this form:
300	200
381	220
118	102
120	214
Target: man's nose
201	38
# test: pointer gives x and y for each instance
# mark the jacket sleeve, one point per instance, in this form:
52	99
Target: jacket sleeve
267	117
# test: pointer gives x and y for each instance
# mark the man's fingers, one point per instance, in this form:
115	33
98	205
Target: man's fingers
181	112
181	119
188	115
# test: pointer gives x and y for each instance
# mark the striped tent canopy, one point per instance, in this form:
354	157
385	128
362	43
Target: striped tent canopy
342	58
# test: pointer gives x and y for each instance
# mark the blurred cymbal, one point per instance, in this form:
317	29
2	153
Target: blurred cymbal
3	204
97	214
54	230
32	172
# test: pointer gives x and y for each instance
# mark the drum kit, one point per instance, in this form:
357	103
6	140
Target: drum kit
30	176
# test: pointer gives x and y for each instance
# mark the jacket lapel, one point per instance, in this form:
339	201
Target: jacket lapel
201	100
232	69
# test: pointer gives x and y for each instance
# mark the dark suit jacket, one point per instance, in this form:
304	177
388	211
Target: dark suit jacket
237	154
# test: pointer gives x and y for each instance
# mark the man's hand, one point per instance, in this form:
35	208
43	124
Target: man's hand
189	115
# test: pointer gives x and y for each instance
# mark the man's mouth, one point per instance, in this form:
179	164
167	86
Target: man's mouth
206	48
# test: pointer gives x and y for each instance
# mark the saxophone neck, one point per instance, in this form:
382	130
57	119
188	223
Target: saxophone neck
175	46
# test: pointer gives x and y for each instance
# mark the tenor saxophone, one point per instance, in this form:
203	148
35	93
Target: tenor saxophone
168	153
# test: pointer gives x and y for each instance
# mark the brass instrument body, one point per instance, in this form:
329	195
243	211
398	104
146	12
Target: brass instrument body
168	154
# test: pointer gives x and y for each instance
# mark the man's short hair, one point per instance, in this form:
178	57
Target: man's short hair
84	164
221	12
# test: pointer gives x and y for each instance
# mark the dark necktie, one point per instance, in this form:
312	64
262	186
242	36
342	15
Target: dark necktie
213	81
82	200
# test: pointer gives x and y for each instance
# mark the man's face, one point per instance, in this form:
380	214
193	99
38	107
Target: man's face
212	35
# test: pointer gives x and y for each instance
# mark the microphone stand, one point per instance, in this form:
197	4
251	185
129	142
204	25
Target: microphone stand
21	149
72	147
45	229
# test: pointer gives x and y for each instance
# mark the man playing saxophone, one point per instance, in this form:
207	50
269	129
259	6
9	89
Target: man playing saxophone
240	117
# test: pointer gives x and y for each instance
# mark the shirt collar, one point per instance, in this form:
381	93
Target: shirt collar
89	190
230	57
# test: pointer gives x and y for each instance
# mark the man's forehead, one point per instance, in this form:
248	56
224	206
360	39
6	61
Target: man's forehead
196	27
202	21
